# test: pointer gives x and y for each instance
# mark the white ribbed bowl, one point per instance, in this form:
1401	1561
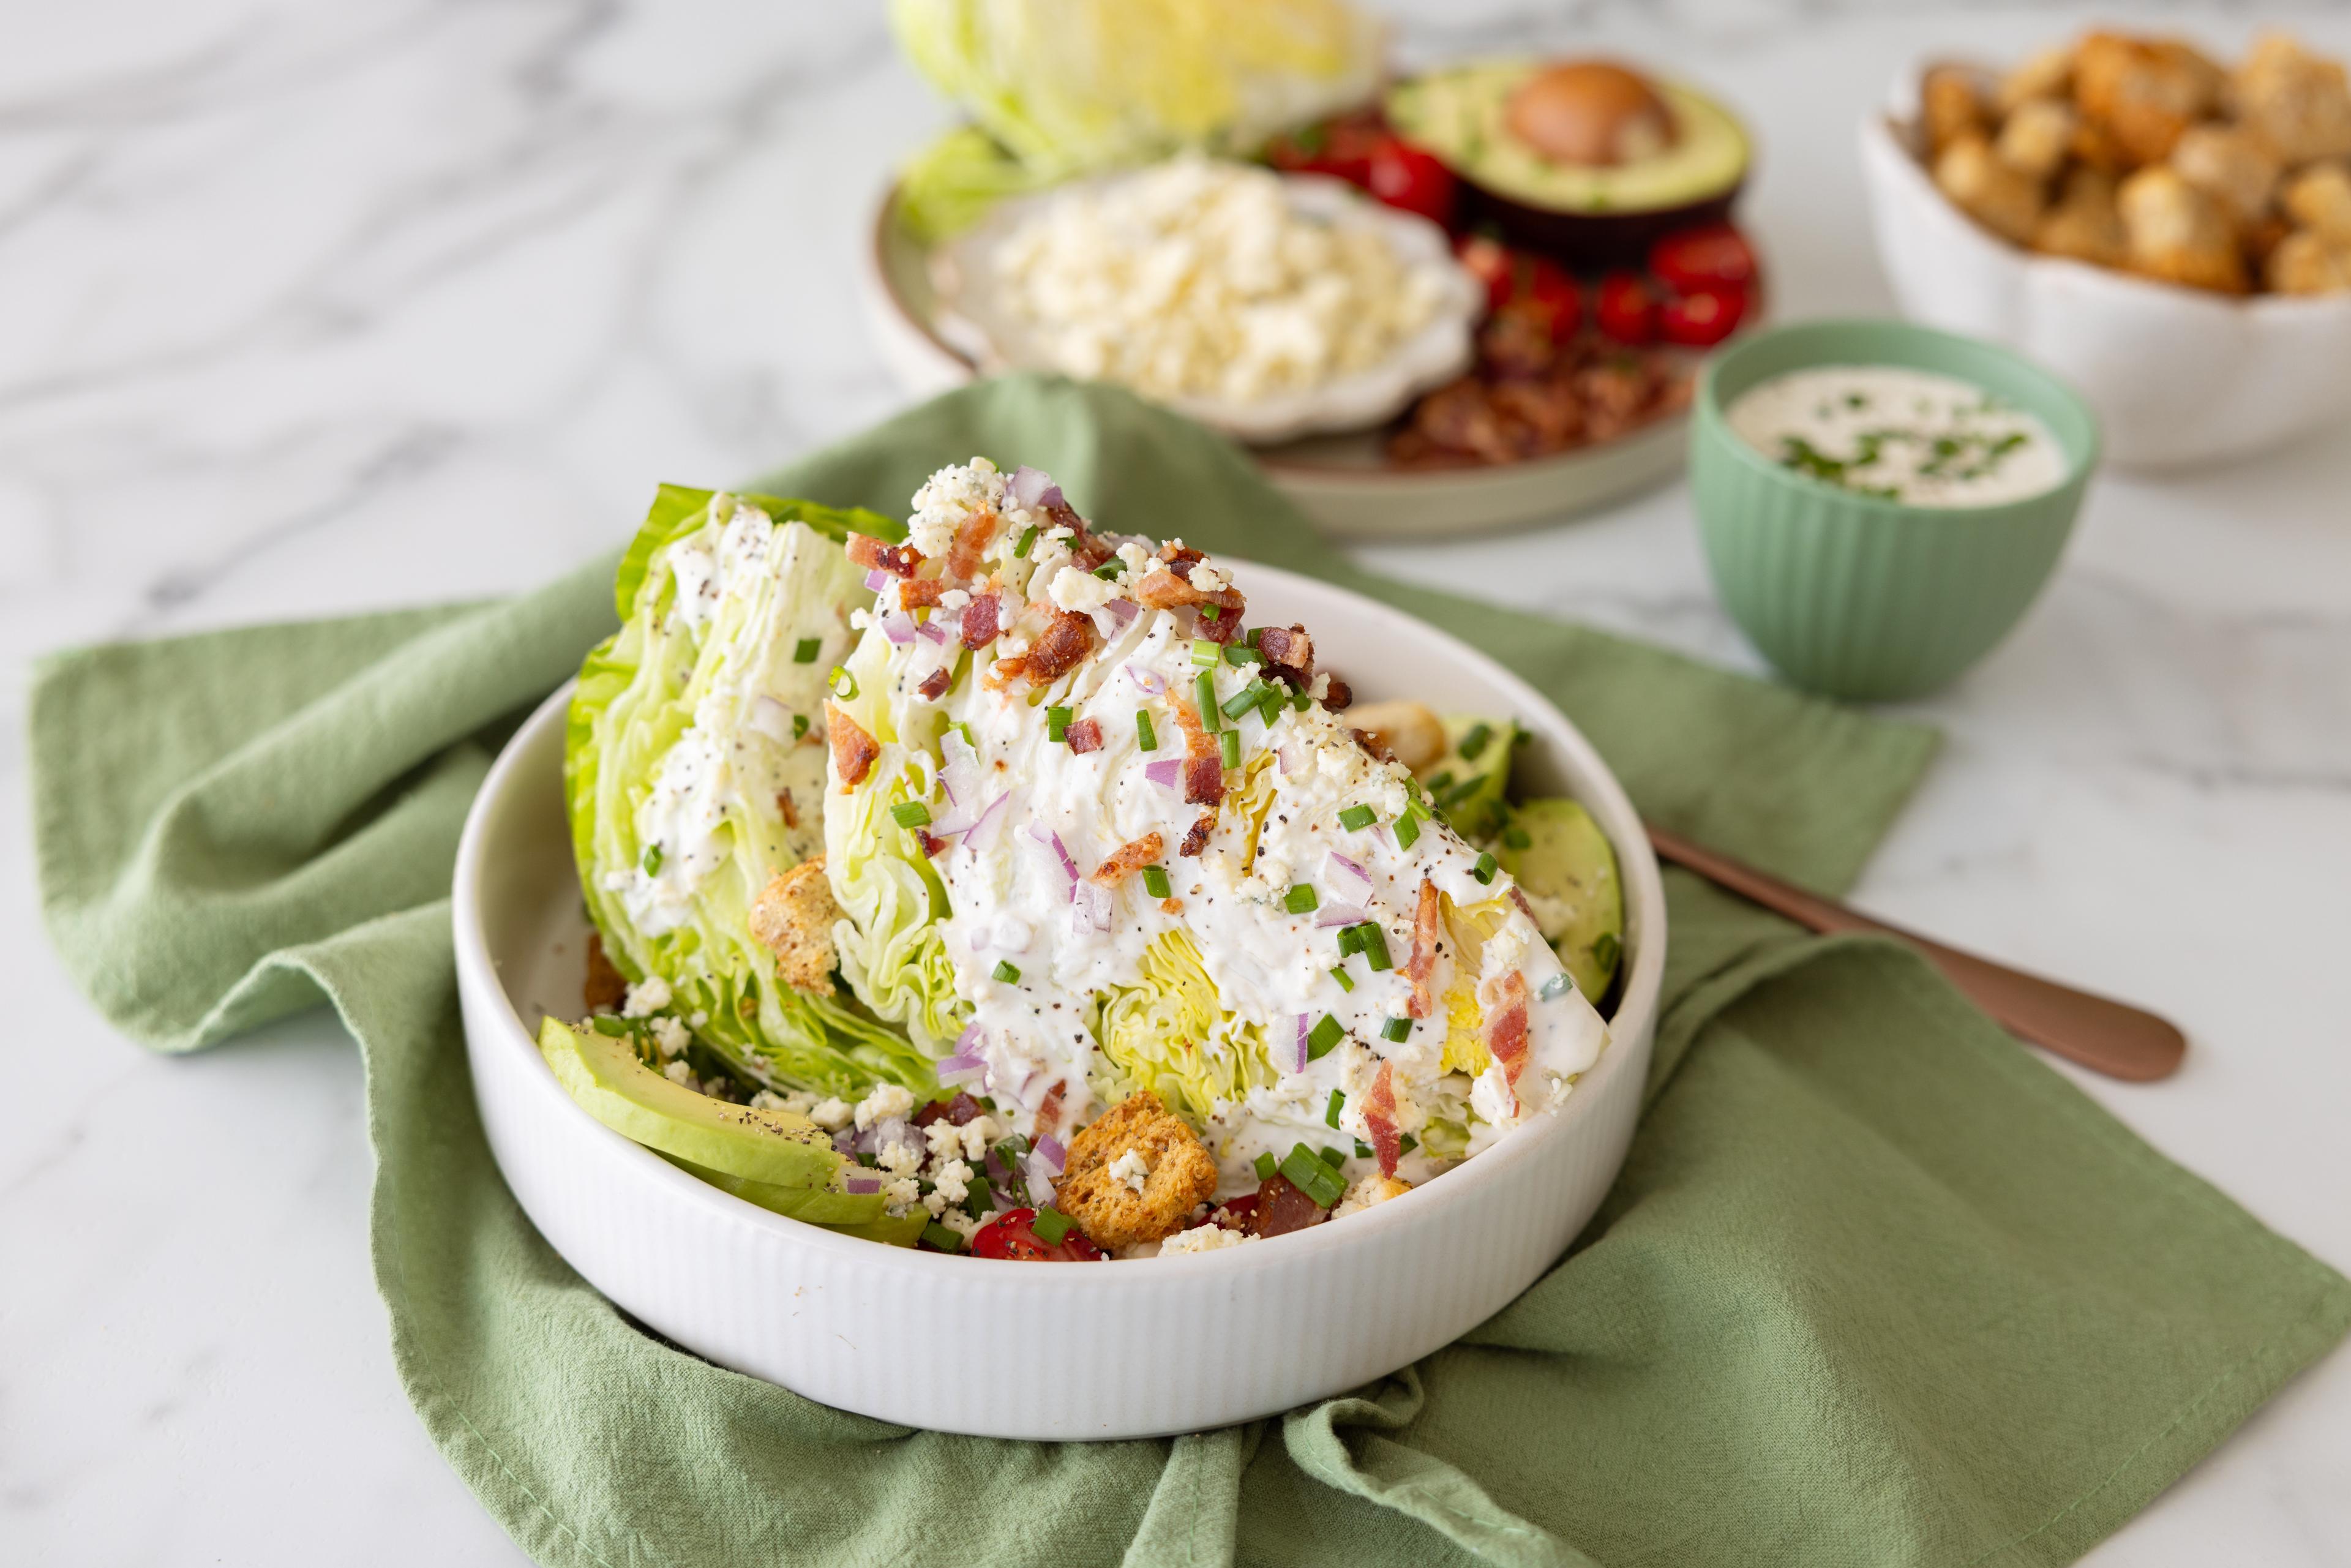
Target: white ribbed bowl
1028	1350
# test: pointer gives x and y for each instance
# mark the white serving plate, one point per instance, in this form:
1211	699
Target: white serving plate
975	315
1339	481
1030	1350
2178	376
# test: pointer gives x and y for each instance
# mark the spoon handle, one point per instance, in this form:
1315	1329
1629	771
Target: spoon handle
2104	1036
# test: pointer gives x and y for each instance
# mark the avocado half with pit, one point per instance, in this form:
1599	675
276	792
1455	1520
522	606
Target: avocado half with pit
1584	161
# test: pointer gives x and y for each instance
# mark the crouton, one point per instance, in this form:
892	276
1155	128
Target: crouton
1409	732
1368	1192
2144	91
606	988
2084	225
2306	263
2319	199
793	918
1951	106
2001	198
2036	138
2049	74
2297	102
2177	233
2232	166
1136	1174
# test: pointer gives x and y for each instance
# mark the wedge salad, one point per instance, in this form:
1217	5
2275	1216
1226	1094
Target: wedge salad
987	882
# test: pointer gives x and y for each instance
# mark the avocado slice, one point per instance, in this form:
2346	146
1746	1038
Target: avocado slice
1568	873
900	1232
1589	215
1467	781
603	1072
816	1205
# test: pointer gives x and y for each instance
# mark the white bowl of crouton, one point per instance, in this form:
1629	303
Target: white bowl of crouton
1032	1350
2171	235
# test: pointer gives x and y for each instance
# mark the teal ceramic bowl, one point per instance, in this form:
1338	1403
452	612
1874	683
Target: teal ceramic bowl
1852	595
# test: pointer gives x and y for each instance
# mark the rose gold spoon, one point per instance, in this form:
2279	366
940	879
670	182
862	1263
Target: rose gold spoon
2109	1037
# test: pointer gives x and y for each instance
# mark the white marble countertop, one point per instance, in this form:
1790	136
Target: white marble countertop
304	310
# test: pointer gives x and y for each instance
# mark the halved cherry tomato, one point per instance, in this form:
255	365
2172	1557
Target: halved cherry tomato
1404	176
1702	318
1628	308
1013	1235
1341	148
1715	257
1491	262
1550	293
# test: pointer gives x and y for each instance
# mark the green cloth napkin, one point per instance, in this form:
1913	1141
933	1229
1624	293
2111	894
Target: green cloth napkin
1876	1286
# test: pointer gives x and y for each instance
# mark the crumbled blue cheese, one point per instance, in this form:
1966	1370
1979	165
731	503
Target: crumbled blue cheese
1133	1168
1202	1238
887	1100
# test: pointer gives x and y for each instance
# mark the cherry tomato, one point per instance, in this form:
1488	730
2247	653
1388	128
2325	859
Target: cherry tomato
1714	255
1702	318
1627	309
1491	261
1546	289
1404	176
1013	1235
1341	148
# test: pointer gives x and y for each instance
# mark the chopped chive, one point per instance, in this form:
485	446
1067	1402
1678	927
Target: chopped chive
1057	723
605	1023
911	814
1254	633
653	859
1476	741
1334	1158
1375	947
1205	689
1028	538
1268	704
1300	700
1304	1169
843	683
1351	939
979	1198
1406	1144
1355	819
1212	612
1005	972
1559	984
804	651
800	725
1485	868
1339	973
1050	1225
1266	1166
1323	1037
1397	1030
1301	899
1204	654
1517	839
1240	702
1109	571
1145	737
940	1237
1407	830
1155	881
1229	744
1441	783
1463	791
1331	1111
1243	654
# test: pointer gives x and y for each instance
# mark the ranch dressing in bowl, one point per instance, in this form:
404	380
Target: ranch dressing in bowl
1899	435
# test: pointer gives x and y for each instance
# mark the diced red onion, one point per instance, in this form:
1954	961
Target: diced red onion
1090	907
956	1071
997	1171
1341	915
1351	868
876	579
898	626
932	630
1047	843
1287	754
1122	611
770	719
844	1142
1167	773
1041	1178
991	822
958	772
968	1041
1049	1149
861	1186
1027	486
1302	1032
1152	682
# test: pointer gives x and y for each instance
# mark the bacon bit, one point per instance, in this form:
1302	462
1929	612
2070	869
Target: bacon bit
606	987
921	592
1083	735
1180	558
971	544
898	560
1131	857
1233	1214
930	846
1196	838
957	1111
1048	1113
854	750
787	808
1204	780
1338	696
1425	918
1373	745
934	684
1161	589
1506	1037
1087	552
1068	640
979	627
1380	1117
1525	908
1289	654
1171	904
1282	1208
